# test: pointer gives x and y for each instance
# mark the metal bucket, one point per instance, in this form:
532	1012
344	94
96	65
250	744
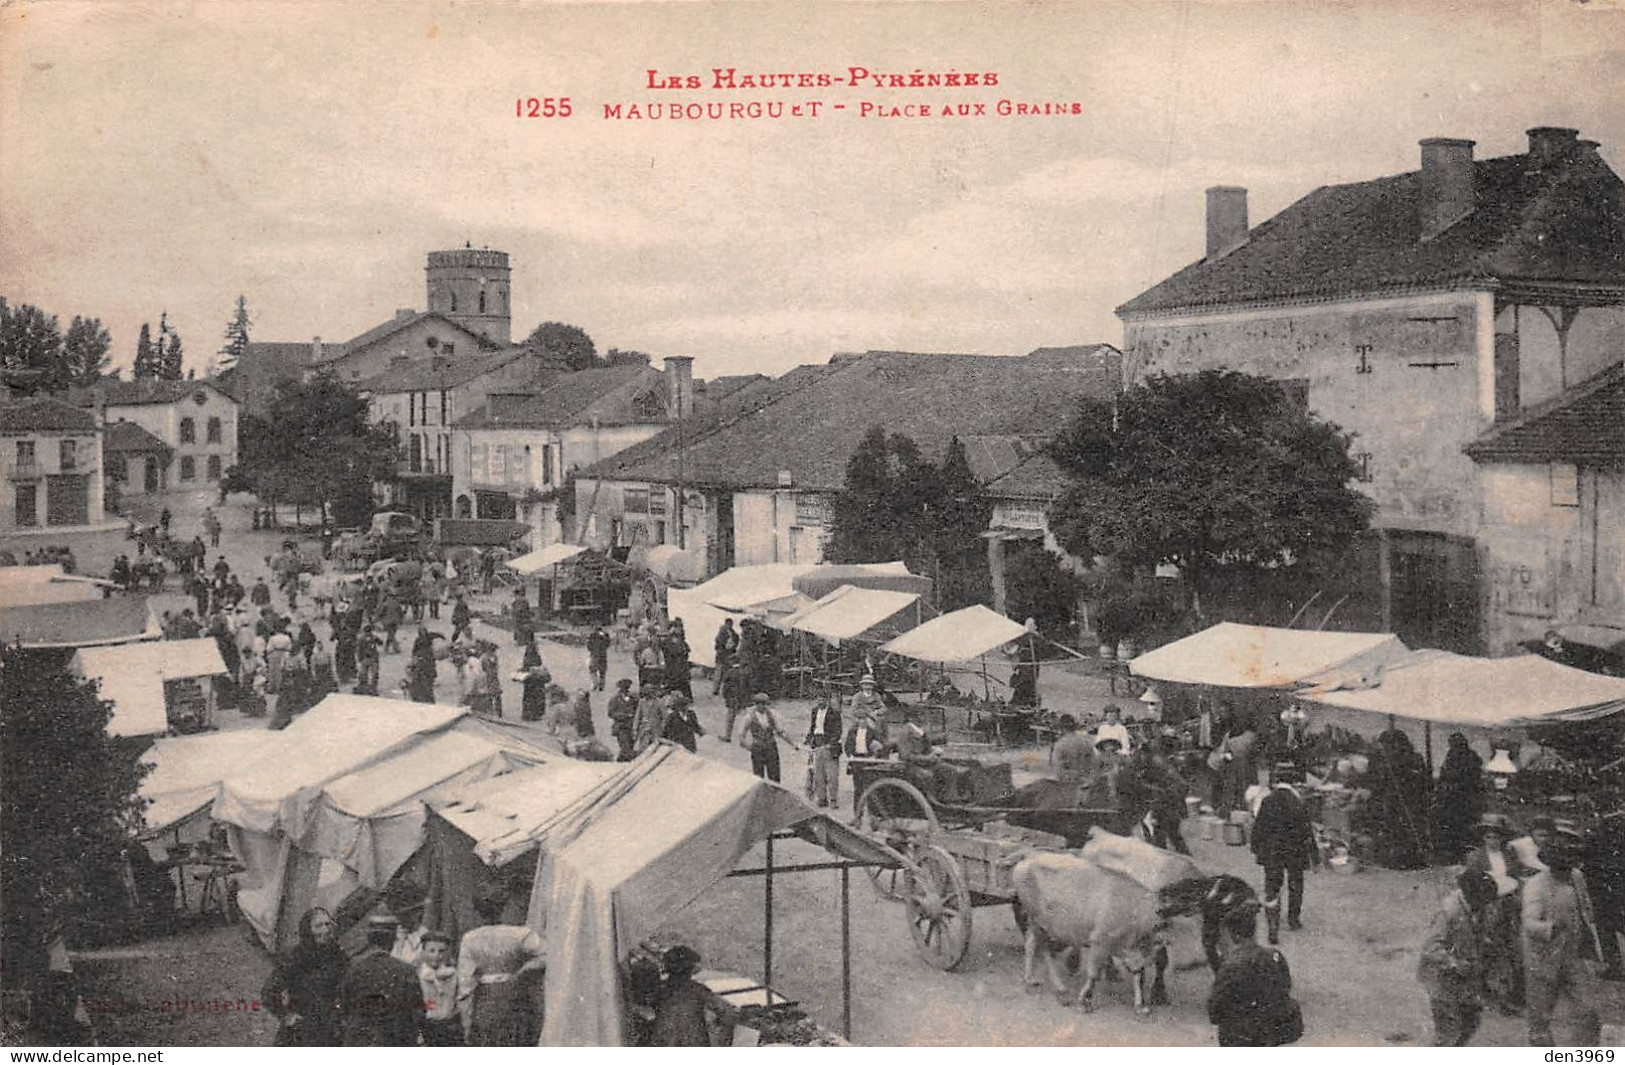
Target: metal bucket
1235	835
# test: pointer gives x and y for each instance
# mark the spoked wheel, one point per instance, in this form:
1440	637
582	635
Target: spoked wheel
897	813
939	907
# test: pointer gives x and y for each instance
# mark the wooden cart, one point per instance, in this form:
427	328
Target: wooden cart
954	821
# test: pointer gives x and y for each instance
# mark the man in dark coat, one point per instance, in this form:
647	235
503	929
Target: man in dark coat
598	657
623	711
824	742
383	1001
461	619
1284	843
675	652
726	645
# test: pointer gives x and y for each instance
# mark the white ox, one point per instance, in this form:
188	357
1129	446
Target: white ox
1111	901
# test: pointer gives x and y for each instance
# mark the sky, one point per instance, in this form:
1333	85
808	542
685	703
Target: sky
170	156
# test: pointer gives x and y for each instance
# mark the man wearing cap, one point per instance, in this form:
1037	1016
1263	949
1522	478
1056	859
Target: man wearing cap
623	712
1284	844
725	645
867	702
383	1002
824	741
1559	938
1452	962
1503	964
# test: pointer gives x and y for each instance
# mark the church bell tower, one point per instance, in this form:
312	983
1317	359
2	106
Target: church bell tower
470	286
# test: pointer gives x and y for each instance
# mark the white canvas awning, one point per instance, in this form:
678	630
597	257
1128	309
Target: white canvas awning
132	677
187	771
1453	690
1257	656
544	558
849	612
961	636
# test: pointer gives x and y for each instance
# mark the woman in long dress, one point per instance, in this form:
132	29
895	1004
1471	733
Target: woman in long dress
305	991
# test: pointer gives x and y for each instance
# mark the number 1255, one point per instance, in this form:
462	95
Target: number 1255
546	107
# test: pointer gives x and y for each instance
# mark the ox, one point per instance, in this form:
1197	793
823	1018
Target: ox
1112	900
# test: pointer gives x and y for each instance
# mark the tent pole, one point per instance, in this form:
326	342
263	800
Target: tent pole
1427	743
767	923
846	952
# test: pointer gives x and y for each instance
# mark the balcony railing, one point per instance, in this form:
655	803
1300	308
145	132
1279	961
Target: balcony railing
26	471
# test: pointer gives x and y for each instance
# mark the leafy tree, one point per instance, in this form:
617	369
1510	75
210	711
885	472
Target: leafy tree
1213	472
569	342
30	349
147	357
171	366
84	350
68	798
236	342
317	447
895	503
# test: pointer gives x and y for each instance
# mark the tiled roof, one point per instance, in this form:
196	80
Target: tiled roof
45	415
1584	424
1036	477
811	428
573	398
128	436
143	392
335	352
1561	223
424	373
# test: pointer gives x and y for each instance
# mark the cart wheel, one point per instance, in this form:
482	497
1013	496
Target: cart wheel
897	812
939	907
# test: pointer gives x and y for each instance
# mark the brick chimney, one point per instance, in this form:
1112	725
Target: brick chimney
1549	145
1447	184
679	386
1226	219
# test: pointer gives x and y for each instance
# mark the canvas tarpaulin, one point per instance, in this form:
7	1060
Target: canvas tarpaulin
133	675
187	771
849	612
614	870
962	636
544	558
742	589
1229	655
1478	697
825	579
348	811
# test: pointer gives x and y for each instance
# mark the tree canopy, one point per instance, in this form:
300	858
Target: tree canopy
35	356
236	339
68	797
317	447
569	342
1208	472
896	503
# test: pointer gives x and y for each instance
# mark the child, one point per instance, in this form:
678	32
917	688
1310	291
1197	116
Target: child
442	1025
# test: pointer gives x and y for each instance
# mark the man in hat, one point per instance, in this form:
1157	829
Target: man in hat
383	1001
680	1019
1503	964
1559	939
623	712
405	902
598	657
824	742
725	646
867	702
1284	844
1452	962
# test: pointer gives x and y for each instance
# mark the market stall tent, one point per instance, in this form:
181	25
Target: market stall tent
185	777
349	810
825	579
133	675
653	838
544	558
849	612
1479	697
1229	655
763	591
962	636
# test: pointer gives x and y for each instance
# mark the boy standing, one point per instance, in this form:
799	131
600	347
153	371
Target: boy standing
442	1024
